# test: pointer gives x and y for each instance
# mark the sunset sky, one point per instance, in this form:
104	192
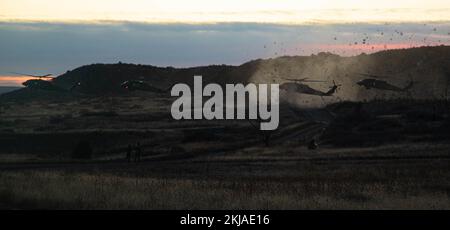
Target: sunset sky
208	11
53	36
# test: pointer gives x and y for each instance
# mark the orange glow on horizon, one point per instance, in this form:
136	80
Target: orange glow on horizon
371	48
14	80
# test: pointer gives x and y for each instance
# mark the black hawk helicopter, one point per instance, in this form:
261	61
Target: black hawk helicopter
40	83
135	85
374	82
298	87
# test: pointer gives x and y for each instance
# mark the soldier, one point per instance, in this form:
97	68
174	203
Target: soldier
129	149
313	144
137	156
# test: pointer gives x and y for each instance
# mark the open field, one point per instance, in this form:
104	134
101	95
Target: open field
392	177
375	155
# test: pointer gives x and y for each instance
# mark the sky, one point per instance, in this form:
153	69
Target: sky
212	11
53	36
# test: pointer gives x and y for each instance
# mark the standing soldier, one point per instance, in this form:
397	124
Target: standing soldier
137	157
129	149
313	144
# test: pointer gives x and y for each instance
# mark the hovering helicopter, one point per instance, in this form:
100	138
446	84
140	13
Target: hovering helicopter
42	84
39	82
298	87
133	85
374	82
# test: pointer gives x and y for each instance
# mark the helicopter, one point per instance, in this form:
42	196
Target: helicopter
42	84
375	83
298	87
39	82
134	85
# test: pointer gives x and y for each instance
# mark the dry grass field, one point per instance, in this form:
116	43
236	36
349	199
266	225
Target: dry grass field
219	165
384	178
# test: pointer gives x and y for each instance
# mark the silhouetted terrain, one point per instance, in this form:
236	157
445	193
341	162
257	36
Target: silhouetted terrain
428	67
374	149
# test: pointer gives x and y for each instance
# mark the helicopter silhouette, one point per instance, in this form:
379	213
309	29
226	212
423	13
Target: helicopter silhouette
298	87
40	83
375	83
139	85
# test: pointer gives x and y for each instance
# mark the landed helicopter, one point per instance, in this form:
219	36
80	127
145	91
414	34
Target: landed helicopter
375	83
298	87
135	85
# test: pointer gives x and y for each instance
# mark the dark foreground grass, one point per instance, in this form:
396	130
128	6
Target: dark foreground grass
403	176
79	190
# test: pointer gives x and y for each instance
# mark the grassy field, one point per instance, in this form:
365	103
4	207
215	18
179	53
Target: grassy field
382	155
329	179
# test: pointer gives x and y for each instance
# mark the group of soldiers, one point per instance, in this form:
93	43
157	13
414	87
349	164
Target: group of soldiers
137	153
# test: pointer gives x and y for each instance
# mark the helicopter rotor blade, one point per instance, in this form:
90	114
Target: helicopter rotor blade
23	74
30	75
293	79
374	76
47	76
302	80
314	81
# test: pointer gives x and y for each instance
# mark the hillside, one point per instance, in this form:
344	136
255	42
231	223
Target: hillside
106	78
428	67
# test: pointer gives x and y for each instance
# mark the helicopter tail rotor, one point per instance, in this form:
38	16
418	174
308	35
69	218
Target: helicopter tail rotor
337	86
